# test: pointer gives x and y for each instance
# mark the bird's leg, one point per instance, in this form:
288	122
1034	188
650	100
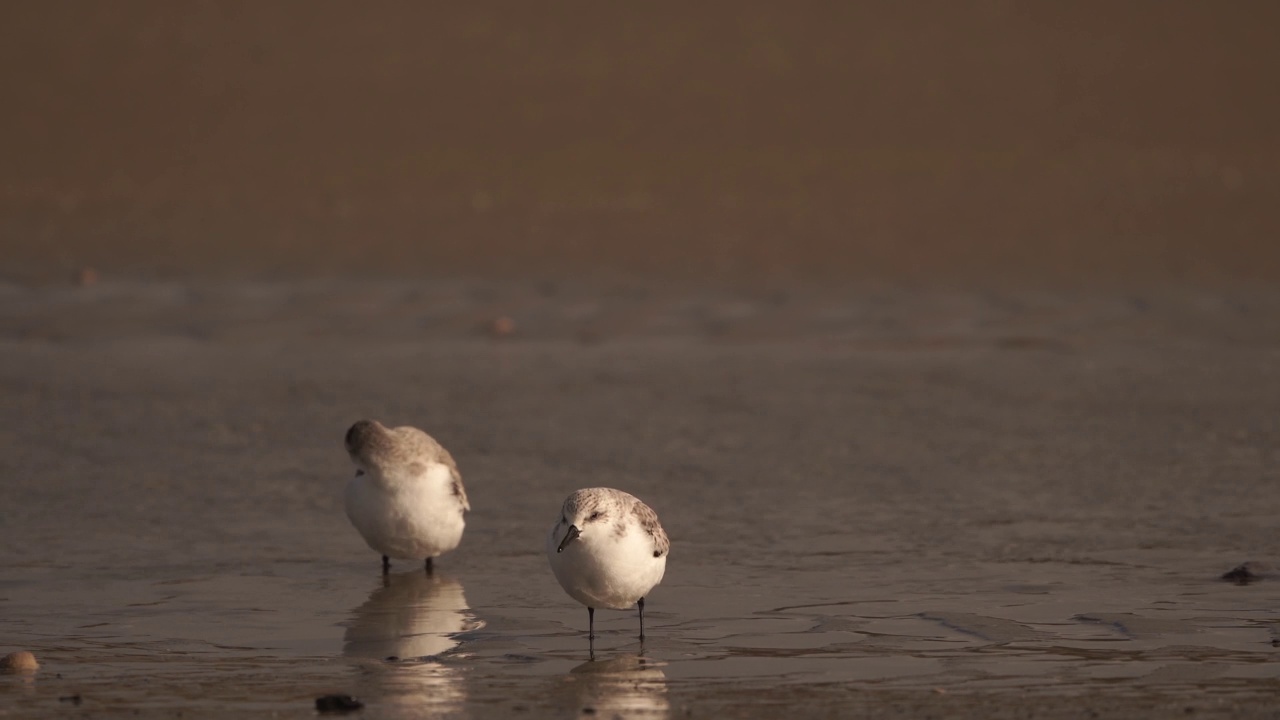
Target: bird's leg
429	567
591	628
640	604
386	564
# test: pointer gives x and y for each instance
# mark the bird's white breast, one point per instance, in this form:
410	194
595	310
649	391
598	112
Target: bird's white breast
604	570
407	515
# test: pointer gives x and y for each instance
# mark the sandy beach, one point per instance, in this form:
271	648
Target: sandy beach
884	502
943	337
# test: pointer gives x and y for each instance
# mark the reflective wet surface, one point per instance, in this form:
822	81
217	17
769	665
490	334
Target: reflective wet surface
880	502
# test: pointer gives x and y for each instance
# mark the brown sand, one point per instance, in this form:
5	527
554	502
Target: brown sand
982	140
882	502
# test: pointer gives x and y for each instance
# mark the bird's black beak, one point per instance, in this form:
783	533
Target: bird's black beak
569	537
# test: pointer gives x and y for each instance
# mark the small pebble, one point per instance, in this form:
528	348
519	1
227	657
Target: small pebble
1241	574
19	662
502	326
337	704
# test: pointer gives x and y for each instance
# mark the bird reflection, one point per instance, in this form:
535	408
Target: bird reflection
408	620
623	686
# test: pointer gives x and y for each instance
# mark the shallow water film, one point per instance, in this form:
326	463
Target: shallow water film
881	502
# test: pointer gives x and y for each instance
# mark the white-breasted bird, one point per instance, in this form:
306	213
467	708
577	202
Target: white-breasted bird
406	499
607	549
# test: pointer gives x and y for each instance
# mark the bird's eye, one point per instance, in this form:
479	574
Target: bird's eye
594	516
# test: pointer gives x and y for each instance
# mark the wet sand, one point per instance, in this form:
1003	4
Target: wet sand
883	500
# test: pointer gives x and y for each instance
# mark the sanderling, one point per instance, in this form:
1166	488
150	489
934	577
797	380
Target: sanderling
407	498
607	549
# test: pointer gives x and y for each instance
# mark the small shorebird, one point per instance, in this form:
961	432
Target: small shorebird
608	550
407	499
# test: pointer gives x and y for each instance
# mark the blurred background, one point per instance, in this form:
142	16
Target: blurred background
978	141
